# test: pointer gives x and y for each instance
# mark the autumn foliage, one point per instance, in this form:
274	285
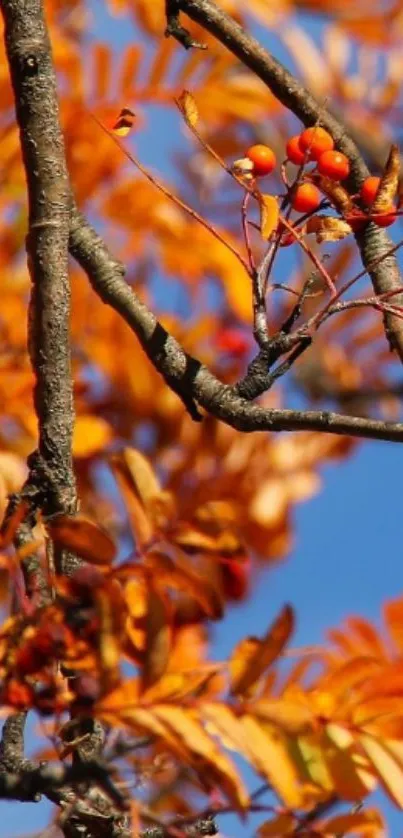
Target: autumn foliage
176	516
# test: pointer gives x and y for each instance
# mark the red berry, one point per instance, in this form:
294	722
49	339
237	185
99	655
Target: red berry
306	198
294	151
263	159
232	341
334	165
315	141
369	190
385	217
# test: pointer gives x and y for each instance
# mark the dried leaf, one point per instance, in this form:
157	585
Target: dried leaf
327	228
12	522
338	195
124	123
188	108
351	780
269	215
82	537
268	651
388	186
181	575
158	637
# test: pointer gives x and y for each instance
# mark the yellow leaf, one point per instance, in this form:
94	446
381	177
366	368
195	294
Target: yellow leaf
269	214
91	435
188	108
199	743
271	758
267	652
291	717
386	767
82	537
311	757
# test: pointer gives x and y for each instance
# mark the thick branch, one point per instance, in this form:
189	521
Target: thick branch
185	374
373	242
30	59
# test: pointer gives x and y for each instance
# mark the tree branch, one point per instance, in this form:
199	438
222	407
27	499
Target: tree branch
51	482
185	374
372	241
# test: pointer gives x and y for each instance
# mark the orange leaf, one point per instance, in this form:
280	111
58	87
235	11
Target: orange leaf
269	214
82	537
393	615
365	823
351	779
267	652
281	825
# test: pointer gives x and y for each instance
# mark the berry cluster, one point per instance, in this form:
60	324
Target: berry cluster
316	145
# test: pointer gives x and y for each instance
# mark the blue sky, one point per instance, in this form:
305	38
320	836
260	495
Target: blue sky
348	554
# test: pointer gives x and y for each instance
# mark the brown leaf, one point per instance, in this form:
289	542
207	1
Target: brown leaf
269	215
83	537
188	108
389	182
158	637
267	652
338	195
124	122
327	228
180	574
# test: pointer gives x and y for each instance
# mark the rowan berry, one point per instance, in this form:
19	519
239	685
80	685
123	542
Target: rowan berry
294	151
315	141
334	165
263	159
306	198
233	341
369	190
385	217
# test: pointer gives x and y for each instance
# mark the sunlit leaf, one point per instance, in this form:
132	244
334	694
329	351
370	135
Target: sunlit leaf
188	108
91	435
269	215
272	759
281	825
158	637
267	652
368	822
386	767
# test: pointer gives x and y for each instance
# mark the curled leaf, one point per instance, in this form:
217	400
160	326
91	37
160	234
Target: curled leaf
337	194
327	228
188	108
389	182
267	651
269	215
124	122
